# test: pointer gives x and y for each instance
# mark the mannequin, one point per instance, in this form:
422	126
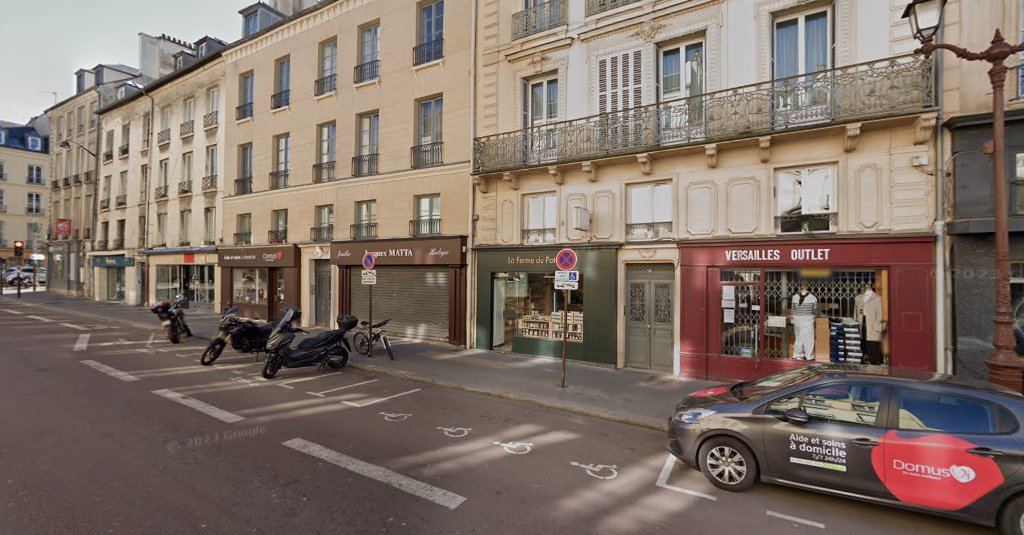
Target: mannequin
868	313
803	308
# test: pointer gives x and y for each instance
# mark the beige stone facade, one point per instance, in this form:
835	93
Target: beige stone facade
25	187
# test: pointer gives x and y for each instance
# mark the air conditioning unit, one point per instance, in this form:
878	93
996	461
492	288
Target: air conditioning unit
581	219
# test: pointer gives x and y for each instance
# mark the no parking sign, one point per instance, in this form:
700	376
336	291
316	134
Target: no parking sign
566	259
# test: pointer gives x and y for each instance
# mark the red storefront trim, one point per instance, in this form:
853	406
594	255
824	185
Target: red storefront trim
909	261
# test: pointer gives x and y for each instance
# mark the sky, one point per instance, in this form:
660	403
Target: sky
46	41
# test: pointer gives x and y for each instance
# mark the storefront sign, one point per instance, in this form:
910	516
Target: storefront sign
791	254
258	257
427	251
115	261
63	228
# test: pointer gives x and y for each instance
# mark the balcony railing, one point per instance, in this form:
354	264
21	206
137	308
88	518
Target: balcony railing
279	179
185	187
243	111
536	19
901	85
66	181
277	235
55	184
101	245
427	52
321	233
243	185
160	192
104	204
121	201
187	128
325	85
116	244
211	119
209	183
648	231
3	207
164	137
108	156
362	231
76	179
243	238
89	177
365	72
428	155
425	226
539	235
806	223
3	175
323	172
122	151
280	99
598	6
365	165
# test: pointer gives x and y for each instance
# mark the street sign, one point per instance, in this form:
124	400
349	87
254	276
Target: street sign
566	259
369	261
369	276
567	285
567	276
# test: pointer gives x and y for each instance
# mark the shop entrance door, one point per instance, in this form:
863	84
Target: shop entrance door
322	292
650	290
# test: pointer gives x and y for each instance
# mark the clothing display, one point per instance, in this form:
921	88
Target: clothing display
868	314
845	341
804	307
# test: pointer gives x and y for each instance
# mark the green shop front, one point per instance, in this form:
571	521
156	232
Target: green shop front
518	309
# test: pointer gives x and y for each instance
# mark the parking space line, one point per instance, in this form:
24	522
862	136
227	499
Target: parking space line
798	520
82	343
73	326
663	481
40	318
200	406
124	376
15	312
290	381
321	394
361	405
378	473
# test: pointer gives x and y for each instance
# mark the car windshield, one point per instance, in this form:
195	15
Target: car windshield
760	388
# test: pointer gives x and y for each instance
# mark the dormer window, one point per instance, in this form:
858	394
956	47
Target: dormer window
202	49
251	24
35	143
121	91
179	61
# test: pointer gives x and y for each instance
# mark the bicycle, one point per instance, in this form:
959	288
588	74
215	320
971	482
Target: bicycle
377	333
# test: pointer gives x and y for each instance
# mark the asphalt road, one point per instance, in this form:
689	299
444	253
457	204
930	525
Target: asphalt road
109	429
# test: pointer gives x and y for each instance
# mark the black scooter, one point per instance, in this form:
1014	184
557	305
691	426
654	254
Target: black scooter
329	348
244	336
172	316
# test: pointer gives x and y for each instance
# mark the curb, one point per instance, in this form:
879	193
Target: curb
575	409
87	315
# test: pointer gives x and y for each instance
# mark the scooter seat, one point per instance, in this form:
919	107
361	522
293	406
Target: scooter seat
319	339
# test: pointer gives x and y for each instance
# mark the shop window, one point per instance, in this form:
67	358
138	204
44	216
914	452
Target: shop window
650	212
168	280
805	199
854	403
1017	184
249	286
534	309
1017	298
539	223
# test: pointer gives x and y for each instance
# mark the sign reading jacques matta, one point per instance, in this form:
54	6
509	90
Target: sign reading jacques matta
421	252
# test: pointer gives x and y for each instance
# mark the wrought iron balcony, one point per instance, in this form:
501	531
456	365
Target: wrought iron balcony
243	111
101	245
323	172
210	183
104	204
108	156
3	208
280	99
164	137
902	85
211	119
362	231
599	6
185	187
66	181
122	151
425	226
55	184
279	179
116	244
325	85
365	72
3	175
89	177
277	235
77	179
428	155
121	201
160	193
806	223
243	185
321	233
427	52
187	128
243	238
648	231
365	165
185	243
539	235
537	18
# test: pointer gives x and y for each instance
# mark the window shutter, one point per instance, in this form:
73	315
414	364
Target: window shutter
637	79
602	85
620	82
525	102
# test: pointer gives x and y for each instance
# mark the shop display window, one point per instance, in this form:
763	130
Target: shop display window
196	282
534	309
168	282
249	286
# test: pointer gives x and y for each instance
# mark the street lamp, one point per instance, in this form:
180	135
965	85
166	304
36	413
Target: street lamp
66	144
1004	366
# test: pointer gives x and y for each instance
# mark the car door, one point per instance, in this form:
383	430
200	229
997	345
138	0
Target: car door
946	450
833	449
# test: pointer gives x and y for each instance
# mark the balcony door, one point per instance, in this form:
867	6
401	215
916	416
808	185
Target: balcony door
802	56
541	110
680	86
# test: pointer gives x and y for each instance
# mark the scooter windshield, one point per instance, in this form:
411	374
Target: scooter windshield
285	320
230	312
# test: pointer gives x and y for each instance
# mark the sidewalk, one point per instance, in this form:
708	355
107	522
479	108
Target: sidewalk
635	397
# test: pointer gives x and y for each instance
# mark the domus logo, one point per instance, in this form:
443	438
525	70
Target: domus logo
963	474
270	257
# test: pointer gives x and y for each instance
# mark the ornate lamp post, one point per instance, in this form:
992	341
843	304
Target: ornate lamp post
1004	366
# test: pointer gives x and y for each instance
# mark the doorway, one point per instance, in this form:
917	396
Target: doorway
322	293
650	295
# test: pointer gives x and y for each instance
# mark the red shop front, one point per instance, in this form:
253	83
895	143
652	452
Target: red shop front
872	299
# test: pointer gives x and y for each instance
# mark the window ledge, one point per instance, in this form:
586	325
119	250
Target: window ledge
245	120
282	108
421	66
326	95
374	81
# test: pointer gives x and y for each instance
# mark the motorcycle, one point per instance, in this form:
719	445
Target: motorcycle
329	348
244	336
172	316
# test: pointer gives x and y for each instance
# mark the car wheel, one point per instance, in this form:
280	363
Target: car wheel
1011	518
728	464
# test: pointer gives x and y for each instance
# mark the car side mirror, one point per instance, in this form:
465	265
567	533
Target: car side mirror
796	416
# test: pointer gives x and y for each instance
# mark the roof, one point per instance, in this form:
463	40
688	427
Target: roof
17	137
122	68
162	81
258	5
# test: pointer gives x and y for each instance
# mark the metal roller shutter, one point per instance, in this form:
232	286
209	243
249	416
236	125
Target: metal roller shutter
415	298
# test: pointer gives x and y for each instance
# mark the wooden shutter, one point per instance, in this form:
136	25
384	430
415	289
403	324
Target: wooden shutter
620	81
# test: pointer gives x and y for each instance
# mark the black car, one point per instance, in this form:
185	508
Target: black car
919	441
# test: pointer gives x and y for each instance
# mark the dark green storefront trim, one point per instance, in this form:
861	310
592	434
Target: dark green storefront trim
598	269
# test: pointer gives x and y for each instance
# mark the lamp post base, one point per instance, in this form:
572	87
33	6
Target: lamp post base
1005	369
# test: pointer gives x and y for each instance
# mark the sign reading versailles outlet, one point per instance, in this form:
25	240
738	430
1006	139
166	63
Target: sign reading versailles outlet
428	251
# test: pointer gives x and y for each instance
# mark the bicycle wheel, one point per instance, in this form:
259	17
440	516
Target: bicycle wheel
387	345
362	343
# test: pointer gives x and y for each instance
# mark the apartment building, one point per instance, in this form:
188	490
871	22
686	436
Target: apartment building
24	189
159	190
706	159
340	143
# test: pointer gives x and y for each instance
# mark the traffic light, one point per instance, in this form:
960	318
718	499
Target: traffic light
19	248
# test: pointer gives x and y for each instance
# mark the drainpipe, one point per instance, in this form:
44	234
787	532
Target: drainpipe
89	290
470	260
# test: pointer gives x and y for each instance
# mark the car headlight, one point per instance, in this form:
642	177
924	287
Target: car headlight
692	416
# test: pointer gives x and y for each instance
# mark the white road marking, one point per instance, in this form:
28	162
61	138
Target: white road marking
594	470
378	473
811	523
200	406
15	312
73	326
82	343
455	432
663	481
124	376
62	335
516	448
321	394
367	404
395	416
290	381
40	318
151	337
